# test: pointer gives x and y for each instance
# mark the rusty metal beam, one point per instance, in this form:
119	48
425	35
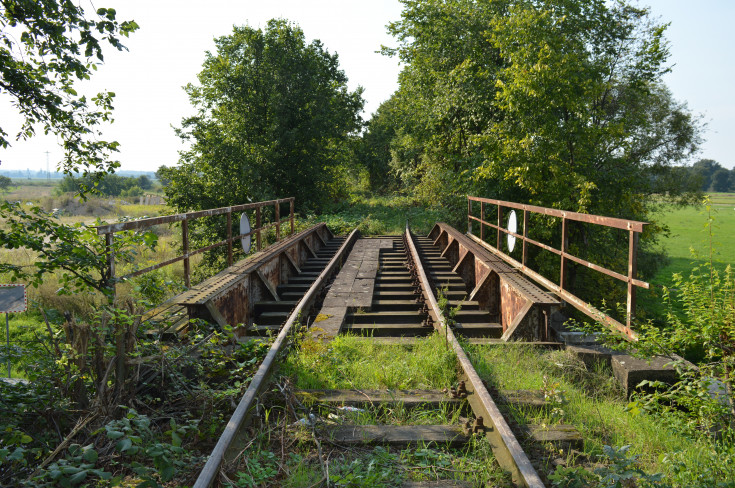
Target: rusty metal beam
508	450
167	219
211	469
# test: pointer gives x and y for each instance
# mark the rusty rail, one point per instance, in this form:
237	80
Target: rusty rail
634	228
109	231
507	449
212	467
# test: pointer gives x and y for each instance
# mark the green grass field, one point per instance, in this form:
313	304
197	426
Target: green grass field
688	245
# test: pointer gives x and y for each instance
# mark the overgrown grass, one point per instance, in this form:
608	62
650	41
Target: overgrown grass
383	215
595	405
352	362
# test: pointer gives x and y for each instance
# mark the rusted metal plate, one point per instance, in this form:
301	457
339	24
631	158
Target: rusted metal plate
512	303
235	304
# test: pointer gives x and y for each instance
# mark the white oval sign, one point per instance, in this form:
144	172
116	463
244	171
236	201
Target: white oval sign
512	227
244	229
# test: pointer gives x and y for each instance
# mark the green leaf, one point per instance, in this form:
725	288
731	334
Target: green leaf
114	434
78	478
124	444
90	455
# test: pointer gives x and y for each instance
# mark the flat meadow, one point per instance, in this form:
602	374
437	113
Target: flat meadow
688	244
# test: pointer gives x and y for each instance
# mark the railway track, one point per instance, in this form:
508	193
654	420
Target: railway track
386	289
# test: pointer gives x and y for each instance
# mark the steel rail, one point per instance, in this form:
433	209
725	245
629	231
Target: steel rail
212	467
506	447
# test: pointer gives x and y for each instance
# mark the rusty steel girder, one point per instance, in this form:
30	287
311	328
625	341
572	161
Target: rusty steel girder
519	305
228	297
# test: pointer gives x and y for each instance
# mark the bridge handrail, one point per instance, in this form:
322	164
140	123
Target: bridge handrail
109	231
633	227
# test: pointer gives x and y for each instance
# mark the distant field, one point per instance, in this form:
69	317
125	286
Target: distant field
689	231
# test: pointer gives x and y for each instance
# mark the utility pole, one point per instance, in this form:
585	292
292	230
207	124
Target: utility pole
48	173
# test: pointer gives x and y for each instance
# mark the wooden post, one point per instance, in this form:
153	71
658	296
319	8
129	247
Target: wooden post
258	223
185	245
632	270
291	218
564	243
482	221
229	237
525	226
278	221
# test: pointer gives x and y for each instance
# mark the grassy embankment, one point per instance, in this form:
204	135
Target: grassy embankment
590	399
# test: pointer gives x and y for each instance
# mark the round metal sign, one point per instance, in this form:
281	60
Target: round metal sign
512	227
244	229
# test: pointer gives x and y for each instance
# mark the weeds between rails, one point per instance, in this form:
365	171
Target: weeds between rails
285	448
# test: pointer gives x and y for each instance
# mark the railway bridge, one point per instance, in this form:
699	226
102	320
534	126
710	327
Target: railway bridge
473	287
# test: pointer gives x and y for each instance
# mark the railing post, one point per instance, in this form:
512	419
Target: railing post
291	215
482	221
185	245
258	223
500	221
564	243
229	236
110	250
469	213
278	221
525	226
632	270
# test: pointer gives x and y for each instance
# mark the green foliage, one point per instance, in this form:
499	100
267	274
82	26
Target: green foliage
700	319
261	467
45	48
382	215
75	252
5	183
78	465
557	103
710	175
274	114
622	471
110	185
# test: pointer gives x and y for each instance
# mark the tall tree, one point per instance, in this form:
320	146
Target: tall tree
558	103
273	118
722	180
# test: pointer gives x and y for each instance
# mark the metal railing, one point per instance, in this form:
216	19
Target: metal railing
109	232
634	228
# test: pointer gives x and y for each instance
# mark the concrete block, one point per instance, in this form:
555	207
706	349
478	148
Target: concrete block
630	371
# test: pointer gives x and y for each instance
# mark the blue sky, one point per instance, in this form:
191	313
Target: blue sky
167	52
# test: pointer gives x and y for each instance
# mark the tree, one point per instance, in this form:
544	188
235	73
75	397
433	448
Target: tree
45	48
5	183
722	180
704	170
273	119
558	103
